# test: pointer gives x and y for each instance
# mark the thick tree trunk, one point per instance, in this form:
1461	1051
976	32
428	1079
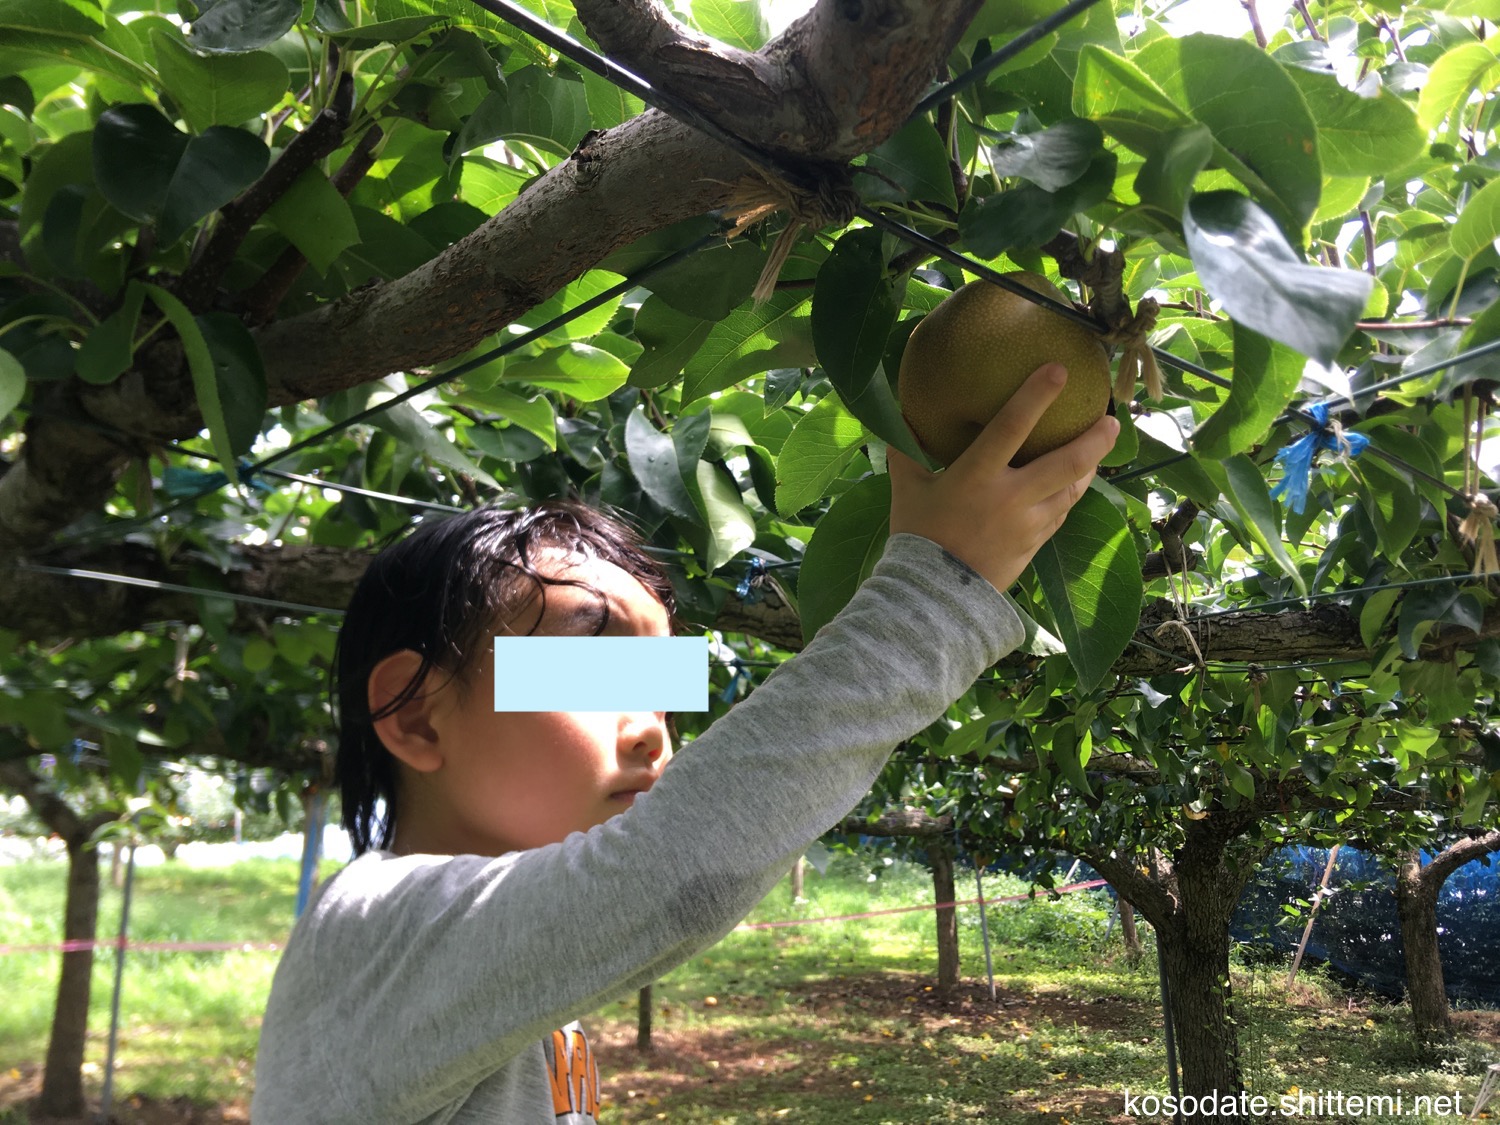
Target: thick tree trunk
1189	899
1207	1039
1129	932
941	857
1197	956
1416	906
62	1082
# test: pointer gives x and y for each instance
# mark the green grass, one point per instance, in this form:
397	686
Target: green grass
822	1023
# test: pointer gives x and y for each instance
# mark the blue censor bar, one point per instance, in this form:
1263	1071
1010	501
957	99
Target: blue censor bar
601	673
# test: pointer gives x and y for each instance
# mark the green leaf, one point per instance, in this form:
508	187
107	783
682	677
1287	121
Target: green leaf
220	89
915	160
1374	613
730	524
1266	136
12	382
1266	376
1124	99
1394	506
534	415
820	446
854	307
214	169
404	421
387	31
707	284
205	381
1051	159
236	26
569	297
1239	779
1028	216
1478	223
1476	797
654	460
749	341
72	33
315	219
386	248
1245	263
1241	481
240	376
586	373
548	112
608	105
1172	163
1451	80
490	185
1359	136
109	349
136	151
1090	574
1438	605
671	338
739	23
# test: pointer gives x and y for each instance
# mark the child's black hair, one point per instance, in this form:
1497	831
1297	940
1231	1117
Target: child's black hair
441	592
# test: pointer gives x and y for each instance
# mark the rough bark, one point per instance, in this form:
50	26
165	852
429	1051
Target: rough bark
847	77
62	1080
1189	900
47	607
940	855
1417	891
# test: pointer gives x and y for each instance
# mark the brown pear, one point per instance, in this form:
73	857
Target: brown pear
971	353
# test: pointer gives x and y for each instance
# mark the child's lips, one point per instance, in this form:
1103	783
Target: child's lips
627	796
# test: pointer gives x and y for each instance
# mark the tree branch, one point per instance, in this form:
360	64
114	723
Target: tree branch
198	285
849	75
1451	858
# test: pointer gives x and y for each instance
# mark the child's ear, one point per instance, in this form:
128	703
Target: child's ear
407	732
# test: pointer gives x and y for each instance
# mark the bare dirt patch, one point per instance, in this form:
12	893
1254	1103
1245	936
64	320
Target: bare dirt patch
900	996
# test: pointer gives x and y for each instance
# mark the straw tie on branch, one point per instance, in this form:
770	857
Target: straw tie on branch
831	202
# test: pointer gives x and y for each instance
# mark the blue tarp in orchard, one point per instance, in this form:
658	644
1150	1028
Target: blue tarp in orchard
1357	930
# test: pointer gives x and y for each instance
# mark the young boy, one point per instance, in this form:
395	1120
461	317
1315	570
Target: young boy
533	866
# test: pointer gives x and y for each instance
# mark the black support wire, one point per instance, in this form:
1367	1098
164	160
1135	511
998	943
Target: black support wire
1003	55
990	274
170	587
610	294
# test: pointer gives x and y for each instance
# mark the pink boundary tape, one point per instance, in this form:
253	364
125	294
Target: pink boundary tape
253	946
906	909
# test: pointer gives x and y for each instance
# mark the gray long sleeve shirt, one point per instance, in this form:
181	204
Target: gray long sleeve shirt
440	989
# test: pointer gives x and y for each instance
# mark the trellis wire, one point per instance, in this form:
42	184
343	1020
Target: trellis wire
170	587
626	79
1003	55
504	349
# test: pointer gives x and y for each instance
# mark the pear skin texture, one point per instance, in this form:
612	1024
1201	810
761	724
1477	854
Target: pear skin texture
971	353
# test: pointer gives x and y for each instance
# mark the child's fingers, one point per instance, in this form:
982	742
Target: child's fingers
1039	479
1008	430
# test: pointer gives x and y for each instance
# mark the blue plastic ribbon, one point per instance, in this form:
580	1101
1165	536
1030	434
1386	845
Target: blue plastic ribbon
748	589
734	681
181	484
1296	458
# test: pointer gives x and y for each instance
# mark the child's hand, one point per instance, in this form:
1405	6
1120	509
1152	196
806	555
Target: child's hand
994	517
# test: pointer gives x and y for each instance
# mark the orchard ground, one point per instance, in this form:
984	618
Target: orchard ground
820	1023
